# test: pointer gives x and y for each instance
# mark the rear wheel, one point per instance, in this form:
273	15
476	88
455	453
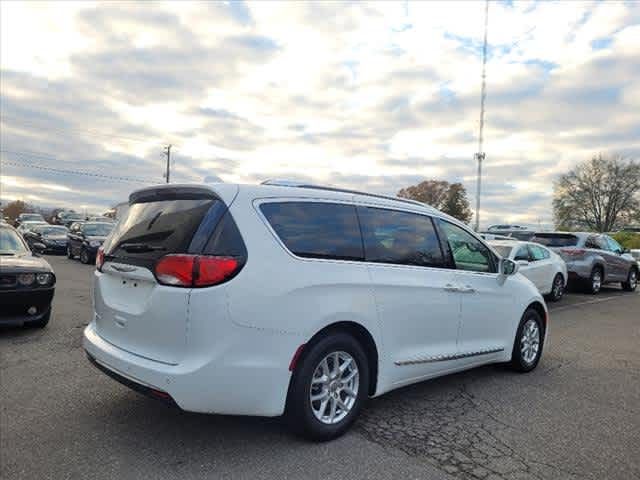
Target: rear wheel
328	388
557	288
632	281
595	281
527	347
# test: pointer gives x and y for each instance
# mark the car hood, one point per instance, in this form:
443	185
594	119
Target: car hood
23	263
55	237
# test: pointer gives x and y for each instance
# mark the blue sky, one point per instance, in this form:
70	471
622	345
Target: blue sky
373	96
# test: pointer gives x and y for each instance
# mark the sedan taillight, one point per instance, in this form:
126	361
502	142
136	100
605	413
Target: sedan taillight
195	270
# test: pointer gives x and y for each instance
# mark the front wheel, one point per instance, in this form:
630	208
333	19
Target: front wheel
69	252
557	288
328	388
84	256
632	281
527	347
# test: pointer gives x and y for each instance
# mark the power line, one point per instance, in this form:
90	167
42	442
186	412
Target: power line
96	175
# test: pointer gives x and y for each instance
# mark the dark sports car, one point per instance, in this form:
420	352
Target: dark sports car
53	237
27	282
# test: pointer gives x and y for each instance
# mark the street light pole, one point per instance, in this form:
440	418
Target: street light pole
480	156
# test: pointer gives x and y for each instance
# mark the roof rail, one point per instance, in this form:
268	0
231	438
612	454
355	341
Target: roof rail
293	183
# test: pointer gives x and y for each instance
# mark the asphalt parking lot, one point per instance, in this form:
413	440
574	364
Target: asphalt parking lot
576	417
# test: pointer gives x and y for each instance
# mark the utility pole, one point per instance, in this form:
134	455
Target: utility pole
167	152
480	156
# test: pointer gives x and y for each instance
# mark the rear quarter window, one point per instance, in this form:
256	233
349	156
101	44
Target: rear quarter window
316	229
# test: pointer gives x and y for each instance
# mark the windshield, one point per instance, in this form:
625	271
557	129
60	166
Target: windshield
97	229
51	230
10	243
503	250
555	239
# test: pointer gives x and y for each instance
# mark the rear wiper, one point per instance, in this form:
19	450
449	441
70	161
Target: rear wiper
140	247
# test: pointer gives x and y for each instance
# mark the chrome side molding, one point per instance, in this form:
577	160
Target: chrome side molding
444	358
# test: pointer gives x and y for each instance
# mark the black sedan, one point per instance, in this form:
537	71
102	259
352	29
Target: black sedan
84	239
27	282
53	237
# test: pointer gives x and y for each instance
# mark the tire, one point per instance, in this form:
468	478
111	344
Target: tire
595	281
528	343
302	412
632	281
557	288
42	322
84	257
69	252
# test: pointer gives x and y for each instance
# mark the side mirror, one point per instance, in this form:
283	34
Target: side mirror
508	267
38	248
626	250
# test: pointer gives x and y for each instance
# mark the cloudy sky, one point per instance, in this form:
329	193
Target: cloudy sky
373	96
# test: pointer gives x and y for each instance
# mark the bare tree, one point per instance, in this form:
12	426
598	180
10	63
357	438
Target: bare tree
451	198
598	194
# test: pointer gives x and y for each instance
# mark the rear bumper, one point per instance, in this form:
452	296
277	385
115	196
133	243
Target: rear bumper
233	381
578	271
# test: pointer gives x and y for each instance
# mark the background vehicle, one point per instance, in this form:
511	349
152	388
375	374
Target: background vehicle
70	218
53	237
29	217
493	236
85	238
27	282
300	300
28	225
593	259
546	269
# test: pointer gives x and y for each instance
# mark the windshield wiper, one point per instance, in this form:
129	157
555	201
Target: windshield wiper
140	247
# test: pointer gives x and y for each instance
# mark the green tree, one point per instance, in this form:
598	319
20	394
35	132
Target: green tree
600	194
450	198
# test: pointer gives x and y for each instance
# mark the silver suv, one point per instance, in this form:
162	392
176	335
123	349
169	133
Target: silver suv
593	259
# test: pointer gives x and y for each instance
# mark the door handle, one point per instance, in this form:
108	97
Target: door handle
467	289
451	288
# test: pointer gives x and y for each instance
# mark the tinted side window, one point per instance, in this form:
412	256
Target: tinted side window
399	237
592	242
538	253
467	251
316	230
522	254
613	245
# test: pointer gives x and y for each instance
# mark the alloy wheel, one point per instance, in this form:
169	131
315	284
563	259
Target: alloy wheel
596	281
334	387
530	341
558	287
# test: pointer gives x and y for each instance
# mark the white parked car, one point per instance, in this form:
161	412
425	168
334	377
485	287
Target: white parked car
300	300
545	268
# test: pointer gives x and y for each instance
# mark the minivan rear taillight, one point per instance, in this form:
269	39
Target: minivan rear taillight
195	270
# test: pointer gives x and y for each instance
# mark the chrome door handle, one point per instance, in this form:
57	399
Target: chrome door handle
467	289
451	288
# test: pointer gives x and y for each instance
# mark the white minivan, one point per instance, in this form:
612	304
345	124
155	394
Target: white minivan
300	300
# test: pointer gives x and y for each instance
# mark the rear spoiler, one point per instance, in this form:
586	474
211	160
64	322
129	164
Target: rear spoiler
171	192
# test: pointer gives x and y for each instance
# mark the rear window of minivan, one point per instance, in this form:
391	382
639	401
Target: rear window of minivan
152	229
555	239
